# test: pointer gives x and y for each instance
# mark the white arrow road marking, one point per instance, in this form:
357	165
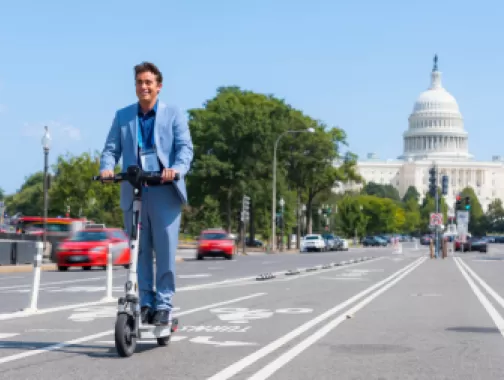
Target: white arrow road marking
57	346
228	343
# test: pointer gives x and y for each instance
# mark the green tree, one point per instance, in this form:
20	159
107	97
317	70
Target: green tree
28	200
411	193
384	215
206	216
495	217
476	215
73	186
313	170
2	194
412	215
233	138
381	191
349	218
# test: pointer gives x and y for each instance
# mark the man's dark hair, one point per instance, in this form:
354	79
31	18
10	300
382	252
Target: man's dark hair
149	67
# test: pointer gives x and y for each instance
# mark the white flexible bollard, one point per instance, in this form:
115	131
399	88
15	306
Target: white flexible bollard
416	244
110	265
37	264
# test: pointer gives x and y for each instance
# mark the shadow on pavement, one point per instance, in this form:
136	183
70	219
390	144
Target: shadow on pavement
474	329
91	350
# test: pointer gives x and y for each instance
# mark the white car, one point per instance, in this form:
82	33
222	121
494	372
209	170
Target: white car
344	246
313	242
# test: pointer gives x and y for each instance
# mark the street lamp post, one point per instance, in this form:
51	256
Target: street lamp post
273	200
46	145
282	204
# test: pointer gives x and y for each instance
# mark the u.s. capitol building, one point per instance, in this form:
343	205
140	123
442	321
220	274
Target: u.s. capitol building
435	135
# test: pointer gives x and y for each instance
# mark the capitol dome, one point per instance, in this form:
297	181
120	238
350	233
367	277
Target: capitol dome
436	127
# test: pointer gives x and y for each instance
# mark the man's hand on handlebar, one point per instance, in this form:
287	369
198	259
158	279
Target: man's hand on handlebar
168	175
107	175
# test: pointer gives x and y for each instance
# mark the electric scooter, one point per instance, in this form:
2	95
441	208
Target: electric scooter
128	326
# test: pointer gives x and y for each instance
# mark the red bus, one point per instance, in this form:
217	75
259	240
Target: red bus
35	224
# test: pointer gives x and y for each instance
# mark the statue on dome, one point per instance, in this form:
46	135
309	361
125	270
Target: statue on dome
435	68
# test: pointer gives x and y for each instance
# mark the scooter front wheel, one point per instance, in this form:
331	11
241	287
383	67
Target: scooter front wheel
125	342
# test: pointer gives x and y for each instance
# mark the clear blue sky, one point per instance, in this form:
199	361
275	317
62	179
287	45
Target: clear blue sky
357	64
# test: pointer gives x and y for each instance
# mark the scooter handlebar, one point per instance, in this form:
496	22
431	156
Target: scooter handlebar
138	175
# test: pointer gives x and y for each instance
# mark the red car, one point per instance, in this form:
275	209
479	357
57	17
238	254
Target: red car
215	243
88	248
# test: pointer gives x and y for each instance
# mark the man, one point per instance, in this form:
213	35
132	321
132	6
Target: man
156	137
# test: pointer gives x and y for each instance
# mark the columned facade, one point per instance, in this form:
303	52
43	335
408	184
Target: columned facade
435	135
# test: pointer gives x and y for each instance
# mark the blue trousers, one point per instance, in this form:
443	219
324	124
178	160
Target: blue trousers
159	231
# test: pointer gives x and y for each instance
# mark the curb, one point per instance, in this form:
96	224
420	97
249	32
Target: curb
46	267
25	268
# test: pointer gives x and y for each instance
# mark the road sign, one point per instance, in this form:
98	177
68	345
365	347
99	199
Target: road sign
463	225
436	219
463	218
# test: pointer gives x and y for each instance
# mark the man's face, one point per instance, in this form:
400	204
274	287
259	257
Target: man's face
147	86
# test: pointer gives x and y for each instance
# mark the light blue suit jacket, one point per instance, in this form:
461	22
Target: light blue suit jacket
171	136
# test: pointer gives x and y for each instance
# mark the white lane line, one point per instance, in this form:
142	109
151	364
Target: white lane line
13	277
7	335
487	287
237	367
199	275
87	338
230	282
285	358
494	314
304	274
22	314
59	282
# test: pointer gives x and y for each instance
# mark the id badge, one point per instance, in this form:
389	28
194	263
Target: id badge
149	160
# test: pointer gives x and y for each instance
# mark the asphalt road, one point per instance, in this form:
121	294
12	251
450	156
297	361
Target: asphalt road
393	316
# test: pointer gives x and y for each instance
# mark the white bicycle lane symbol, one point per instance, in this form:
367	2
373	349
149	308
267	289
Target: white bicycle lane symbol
242	315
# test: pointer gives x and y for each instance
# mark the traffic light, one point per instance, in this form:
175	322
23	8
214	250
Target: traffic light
467	203
432	181
458	202
278	219
245	209
444	185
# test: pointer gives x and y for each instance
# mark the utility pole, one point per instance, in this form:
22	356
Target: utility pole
433	190
298	211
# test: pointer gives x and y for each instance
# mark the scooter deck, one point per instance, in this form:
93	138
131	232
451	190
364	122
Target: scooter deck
153	332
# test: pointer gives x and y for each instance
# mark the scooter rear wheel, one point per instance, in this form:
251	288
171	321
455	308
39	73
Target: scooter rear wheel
163	341
125	343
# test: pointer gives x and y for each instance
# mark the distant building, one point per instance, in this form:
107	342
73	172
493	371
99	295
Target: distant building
435	135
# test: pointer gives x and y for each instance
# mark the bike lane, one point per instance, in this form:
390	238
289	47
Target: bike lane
217	325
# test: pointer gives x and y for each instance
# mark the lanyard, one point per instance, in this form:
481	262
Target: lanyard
140	134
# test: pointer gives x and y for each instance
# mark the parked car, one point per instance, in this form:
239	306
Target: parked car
374	241
343	243
314	242
426	239
472	244
332	243
256	243
215	243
